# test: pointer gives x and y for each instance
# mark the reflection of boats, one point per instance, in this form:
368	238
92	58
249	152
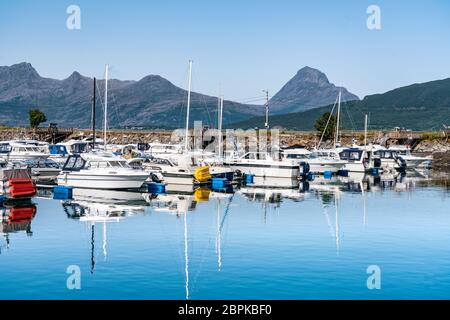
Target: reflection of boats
102	207
103	204
275	182
16	218
172	203
267	195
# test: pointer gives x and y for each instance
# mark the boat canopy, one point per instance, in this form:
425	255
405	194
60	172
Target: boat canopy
74	163
57	149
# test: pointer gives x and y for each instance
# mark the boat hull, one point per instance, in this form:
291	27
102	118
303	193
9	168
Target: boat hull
107	182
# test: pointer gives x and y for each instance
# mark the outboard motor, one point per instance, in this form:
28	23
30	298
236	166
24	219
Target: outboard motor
304	170
402	164
156	177
377	163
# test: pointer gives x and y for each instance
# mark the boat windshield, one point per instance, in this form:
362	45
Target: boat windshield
297	156
74	163
108	164
351	155
385	154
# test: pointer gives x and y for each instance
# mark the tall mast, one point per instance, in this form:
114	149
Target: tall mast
220	126
266	124
338	122
93	115
186	138
366	120
106	104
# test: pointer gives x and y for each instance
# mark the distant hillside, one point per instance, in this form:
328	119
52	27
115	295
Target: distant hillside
308	89
150	102
423	106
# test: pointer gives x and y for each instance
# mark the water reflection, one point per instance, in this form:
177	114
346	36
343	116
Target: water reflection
15	218
202	243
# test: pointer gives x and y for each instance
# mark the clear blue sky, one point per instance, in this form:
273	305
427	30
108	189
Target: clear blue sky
245	46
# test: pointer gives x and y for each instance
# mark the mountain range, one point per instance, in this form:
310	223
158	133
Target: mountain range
152	102
421	106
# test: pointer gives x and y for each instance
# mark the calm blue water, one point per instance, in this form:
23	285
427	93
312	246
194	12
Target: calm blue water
253	244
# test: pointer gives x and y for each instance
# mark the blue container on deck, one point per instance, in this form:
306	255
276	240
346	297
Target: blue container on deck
156	188
374	172
62	193
328	175
249	178
2	199
343	173
310	176
218	183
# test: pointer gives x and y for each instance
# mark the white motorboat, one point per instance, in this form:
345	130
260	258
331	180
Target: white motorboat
170	171
390	161
22	150
318	162
42	171
356	159
262	164
412	161
101	172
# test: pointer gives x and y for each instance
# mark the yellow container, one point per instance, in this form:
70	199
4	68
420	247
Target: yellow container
202	174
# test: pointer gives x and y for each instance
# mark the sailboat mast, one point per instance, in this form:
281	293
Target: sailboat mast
366	120
93	114
338	122
106	104
186	138
220	126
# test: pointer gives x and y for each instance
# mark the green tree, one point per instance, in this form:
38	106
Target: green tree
321	125
36	117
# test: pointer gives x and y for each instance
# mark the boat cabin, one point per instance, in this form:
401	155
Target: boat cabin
57	150
352	154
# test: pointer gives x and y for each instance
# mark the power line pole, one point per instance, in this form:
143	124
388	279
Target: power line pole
266	125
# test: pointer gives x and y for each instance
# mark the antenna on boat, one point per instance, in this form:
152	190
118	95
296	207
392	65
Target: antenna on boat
338	122
186	138
266	105
106	104
93	115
